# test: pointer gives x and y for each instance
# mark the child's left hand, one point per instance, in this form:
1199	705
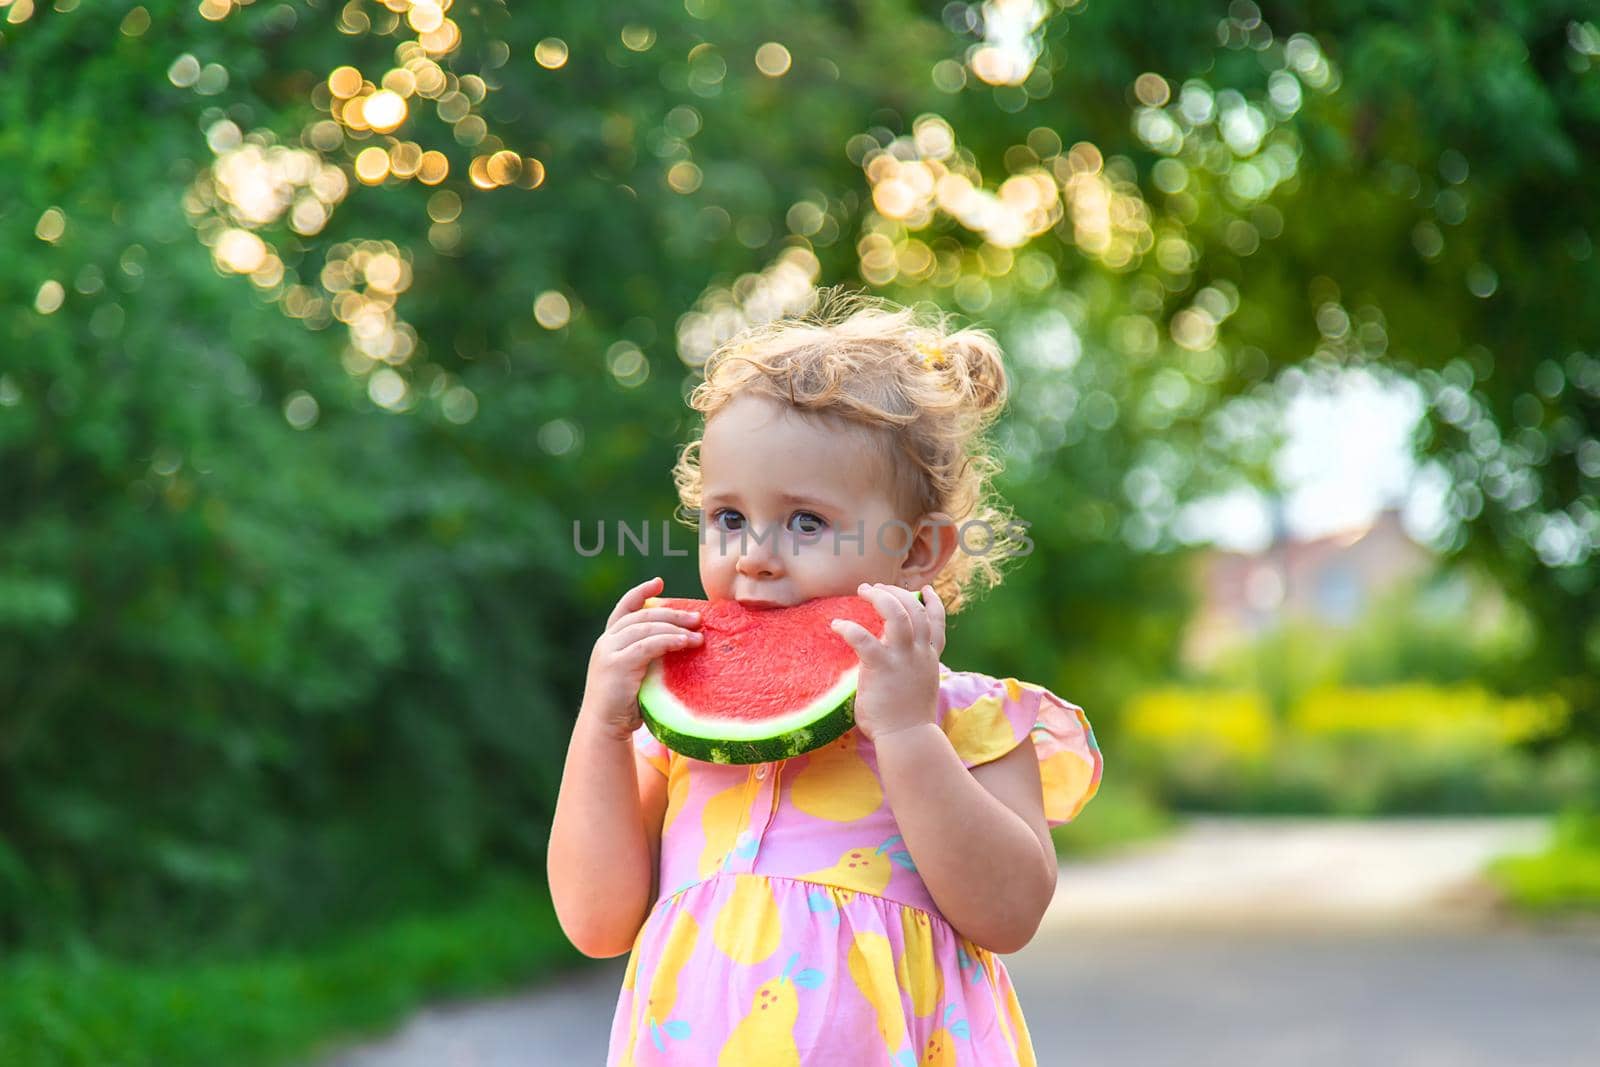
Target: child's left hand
899	685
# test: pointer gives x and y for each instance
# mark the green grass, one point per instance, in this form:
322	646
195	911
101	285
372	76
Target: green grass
271	1010
1119	814
1564	877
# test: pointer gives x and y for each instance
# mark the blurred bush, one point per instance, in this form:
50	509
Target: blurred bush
1414	747
1564	876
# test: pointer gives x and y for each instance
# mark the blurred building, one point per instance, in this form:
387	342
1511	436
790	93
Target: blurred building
1330	579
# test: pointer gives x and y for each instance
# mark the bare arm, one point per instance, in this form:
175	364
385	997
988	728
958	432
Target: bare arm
604	841
979	837
606	833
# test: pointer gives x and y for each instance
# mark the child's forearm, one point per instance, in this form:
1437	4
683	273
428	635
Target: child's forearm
599	858
980	860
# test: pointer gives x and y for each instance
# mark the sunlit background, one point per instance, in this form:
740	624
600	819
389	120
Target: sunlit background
324	323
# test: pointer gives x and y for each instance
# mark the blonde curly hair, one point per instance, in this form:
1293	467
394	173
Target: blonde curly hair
922	397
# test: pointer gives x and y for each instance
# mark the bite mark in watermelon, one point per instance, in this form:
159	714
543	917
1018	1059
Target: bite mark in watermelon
764	684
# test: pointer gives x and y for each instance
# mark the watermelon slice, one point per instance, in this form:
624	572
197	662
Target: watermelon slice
765	684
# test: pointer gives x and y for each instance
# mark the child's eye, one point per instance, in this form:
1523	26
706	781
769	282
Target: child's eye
808	522
718	515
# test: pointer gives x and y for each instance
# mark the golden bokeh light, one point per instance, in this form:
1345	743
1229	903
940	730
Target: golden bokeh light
434	168
400	81
504	167
1011	45
773	59
386	271
51	225
786	287
684	177
551	53
551	310
308	216
404	159
478	173
254	183
425	16
352	113
388	390
532	175
184	72
20	11
240	251
136	22
927	172
50	297
1152	90
638	38
443	40
1194	329
372	165
384	111
344	82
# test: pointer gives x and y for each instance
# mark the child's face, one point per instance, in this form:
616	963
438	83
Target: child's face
753	452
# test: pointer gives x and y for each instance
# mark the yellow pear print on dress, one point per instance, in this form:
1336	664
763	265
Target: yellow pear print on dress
871	962
681	938
940	1050
677	793
865	869
918	971
765	1036
749	926
720	820
836	784
979	732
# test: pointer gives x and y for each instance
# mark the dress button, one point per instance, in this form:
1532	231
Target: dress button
761	771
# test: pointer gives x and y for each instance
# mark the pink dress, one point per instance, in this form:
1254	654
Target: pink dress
792	927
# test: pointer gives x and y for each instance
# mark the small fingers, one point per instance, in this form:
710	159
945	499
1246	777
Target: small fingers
637	632
897	627
915	611
634	599
858	637
680	616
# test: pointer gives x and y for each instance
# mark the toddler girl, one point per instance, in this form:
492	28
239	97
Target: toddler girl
846	906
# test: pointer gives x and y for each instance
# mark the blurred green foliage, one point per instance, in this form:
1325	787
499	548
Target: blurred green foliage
267	667
1565	877
87	1011
1396	713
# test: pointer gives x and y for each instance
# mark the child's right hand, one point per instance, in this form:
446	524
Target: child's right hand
634	636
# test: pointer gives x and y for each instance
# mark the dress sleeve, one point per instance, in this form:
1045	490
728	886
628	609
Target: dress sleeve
987	717
655	753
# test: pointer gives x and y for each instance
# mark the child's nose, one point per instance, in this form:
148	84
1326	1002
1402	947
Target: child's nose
759	560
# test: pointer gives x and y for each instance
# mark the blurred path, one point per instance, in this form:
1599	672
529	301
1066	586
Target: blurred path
1296	872
1236	941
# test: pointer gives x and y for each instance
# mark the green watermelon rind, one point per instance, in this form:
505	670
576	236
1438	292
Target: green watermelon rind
818	723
